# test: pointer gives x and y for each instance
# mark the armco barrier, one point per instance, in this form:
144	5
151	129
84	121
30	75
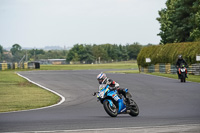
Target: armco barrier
156	68
162	68
27	65
151	68
16	65
168	68
4	66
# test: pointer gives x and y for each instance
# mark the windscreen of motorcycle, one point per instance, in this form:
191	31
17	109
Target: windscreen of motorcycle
182	69
102	86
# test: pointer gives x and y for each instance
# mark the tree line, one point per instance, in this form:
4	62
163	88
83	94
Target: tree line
104	52
16	53
83	53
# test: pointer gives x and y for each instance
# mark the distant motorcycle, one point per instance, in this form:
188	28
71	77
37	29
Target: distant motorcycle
114	103
182	73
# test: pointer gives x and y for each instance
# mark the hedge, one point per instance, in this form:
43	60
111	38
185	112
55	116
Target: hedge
168	53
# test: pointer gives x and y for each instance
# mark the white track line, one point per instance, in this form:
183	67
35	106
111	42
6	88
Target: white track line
61	101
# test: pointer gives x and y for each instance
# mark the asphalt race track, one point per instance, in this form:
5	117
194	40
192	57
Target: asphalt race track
163	102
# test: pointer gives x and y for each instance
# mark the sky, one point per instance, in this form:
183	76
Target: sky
40	23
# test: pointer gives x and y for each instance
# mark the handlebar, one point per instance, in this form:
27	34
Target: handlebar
95	93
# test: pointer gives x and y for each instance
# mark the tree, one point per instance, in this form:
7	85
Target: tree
133	50
180	21
104	52
15	48
99	52
17	52
70	55
123	53
1	53
88	56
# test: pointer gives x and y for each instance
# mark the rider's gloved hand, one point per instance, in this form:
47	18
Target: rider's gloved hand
108	82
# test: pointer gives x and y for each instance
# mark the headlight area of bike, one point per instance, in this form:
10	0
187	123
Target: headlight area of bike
103	93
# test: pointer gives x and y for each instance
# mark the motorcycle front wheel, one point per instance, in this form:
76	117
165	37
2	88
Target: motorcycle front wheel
112	111
134	109
183	80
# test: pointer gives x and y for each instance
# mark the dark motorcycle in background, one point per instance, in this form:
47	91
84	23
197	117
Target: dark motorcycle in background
182	71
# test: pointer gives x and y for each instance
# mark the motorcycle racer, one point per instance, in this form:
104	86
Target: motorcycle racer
179	64
103	79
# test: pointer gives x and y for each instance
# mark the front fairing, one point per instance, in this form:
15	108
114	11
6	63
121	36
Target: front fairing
182	72
103	90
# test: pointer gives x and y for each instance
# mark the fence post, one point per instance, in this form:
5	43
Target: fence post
4	66
168	68
16	65
156	68
145	69
25	65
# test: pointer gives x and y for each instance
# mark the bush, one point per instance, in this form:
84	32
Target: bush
168	53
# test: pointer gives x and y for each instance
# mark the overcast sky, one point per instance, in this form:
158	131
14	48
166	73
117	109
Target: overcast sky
40	23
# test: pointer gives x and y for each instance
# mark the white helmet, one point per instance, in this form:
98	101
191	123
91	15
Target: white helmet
101	77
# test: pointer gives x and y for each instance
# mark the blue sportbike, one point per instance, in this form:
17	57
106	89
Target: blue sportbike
115	103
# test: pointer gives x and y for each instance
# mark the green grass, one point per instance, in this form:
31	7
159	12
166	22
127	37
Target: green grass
123	71
192	78
17	94
122	65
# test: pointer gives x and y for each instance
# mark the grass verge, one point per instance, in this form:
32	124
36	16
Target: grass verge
17	94
192	78
123	71
90	66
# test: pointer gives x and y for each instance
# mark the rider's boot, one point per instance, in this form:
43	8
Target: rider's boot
128	98
128	101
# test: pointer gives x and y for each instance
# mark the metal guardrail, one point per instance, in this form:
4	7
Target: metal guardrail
168	68
26	65
196	69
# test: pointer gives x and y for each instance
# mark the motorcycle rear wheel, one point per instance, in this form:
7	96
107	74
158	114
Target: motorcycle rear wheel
112	111
183	80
